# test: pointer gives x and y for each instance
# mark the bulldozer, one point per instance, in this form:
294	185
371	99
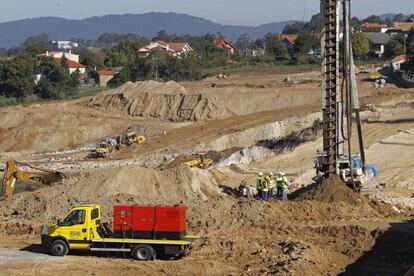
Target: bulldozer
103	150
118	142
132	138
201	162
17	171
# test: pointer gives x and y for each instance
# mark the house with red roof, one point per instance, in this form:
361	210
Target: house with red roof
105	76
373	27
72	66
397	61
72	61
289	40
175	49
224	43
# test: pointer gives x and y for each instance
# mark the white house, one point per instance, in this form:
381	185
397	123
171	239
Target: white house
397	61
65	44
69	55
73	66
173	48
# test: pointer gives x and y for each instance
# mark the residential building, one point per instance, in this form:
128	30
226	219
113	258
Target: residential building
175	49
224	43
3	59
73	66
65	45
377	41
373	27
69	55
251	52
289	40
105	76
397	61
403	27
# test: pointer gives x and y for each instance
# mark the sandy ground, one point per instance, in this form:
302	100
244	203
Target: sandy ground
239	236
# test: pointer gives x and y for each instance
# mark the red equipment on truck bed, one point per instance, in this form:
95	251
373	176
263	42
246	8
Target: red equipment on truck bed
150	222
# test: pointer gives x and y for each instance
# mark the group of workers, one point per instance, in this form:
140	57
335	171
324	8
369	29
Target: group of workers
266	184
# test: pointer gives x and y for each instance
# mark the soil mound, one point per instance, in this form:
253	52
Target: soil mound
167	101
332	190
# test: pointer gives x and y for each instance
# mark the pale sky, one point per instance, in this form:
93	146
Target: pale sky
234	12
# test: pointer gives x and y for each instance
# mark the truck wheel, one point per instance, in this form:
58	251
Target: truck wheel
59	248
143	253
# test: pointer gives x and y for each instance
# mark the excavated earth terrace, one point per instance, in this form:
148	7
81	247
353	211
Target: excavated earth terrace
251	122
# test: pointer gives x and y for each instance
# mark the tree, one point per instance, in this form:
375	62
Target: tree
399	18
243	42
123	53
259	43
306	42
18	77
394	47
56	81
34	50
355	23
315	24
46	90
373	19
121	77
276	47
360	44
162	35
42	40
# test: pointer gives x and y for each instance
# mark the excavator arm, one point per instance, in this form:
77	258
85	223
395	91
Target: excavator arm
13	174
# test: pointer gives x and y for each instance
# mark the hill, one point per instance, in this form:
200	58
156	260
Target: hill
14	33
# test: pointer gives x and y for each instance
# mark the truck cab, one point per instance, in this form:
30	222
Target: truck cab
77	229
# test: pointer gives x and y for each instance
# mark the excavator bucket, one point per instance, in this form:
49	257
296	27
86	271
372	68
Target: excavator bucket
9	180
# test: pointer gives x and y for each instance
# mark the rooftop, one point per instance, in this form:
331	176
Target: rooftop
377	37
400	58
71	63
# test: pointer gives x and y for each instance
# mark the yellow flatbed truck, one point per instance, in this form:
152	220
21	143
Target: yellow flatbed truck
81	229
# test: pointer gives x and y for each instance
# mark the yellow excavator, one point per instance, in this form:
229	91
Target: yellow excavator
17	171
201	162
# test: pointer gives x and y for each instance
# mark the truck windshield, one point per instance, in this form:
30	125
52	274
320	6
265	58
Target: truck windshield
74	218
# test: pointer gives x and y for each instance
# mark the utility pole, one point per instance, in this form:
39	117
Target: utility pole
405	44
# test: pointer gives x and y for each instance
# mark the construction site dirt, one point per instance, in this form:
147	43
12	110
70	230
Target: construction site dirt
246	124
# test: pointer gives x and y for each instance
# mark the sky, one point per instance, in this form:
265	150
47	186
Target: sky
234	12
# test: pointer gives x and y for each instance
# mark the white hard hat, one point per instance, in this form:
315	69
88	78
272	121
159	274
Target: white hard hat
271	174
282	174
260	174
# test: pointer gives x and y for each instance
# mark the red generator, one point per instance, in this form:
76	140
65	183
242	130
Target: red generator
150	222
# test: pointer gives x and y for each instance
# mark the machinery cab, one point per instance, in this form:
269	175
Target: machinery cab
345	169
103	149
131	137
76	229
204	161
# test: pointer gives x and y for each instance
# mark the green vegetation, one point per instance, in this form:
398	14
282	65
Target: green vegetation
17	79
360	44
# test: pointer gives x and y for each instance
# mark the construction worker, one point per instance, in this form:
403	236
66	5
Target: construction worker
271	186
282	185
265	188
259	185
